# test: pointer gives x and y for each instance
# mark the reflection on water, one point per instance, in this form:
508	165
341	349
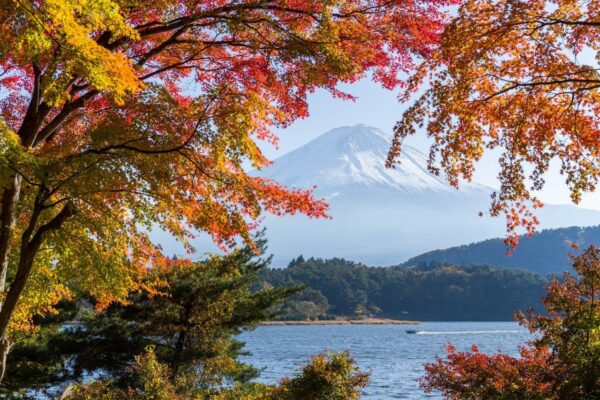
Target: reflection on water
394	357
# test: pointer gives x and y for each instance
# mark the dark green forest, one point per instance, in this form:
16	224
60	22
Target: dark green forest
429	291
546	252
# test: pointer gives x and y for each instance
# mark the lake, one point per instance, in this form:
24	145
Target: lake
394	358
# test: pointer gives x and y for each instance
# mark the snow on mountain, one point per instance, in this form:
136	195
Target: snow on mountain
355	157
382	216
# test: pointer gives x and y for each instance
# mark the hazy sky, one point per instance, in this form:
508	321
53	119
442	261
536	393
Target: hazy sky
380	108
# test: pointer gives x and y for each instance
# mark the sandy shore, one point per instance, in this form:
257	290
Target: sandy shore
366	321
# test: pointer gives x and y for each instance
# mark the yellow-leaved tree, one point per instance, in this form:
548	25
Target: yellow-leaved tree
122	115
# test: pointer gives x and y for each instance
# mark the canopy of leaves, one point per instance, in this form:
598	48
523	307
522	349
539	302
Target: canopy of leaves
519	76
119	117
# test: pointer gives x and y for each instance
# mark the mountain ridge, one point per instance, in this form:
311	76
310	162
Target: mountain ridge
546	252
379	216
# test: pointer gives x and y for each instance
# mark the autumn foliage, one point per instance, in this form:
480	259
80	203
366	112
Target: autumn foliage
332	376
519	77
561	362
118	117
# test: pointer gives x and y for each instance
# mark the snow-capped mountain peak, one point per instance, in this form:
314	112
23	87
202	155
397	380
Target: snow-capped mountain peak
353	156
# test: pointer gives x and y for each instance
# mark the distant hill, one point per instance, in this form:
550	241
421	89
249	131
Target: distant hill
337	287
545	252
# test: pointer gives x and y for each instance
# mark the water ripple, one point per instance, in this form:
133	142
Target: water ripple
394	358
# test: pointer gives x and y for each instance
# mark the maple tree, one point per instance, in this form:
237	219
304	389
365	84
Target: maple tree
520	77
122	116
561	362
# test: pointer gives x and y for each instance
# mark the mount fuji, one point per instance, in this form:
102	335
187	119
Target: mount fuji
382	216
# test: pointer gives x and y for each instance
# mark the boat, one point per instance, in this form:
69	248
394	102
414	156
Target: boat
411	331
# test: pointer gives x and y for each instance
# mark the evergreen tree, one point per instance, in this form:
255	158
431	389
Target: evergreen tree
191	324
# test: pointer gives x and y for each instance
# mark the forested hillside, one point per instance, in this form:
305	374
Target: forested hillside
337	287
546	252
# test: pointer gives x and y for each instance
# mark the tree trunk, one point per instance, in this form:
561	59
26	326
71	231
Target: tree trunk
29	133
5	346
8	201
181	339
30	244
8	204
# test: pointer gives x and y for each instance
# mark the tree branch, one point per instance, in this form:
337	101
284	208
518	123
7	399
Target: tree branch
49	130
29	249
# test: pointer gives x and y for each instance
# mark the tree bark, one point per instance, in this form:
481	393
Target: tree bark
181	339
29	248
9	200
5	346
34	129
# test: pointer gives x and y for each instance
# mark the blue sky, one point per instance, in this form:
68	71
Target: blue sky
380	108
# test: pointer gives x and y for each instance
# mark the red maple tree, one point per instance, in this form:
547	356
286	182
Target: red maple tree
561	362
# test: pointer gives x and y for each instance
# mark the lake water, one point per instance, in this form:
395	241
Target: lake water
394	358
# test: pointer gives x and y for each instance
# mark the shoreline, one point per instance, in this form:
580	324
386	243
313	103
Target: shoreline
366	321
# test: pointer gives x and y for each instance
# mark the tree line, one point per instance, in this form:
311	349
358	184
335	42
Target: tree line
429	291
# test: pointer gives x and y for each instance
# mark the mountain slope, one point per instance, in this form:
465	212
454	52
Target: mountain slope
354	157
382	216
545	252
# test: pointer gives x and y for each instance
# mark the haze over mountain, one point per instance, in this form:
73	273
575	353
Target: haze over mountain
380	216
383	216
